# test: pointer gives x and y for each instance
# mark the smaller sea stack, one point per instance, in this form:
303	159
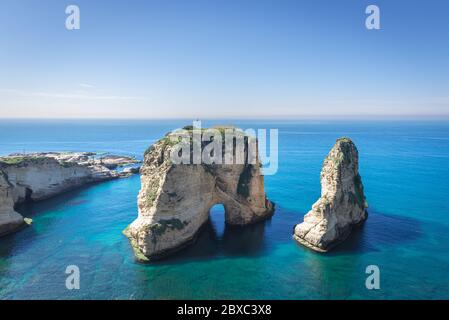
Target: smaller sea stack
342	204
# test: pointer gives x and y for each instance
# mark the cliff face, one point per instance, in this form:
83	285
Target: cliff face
40	176
175	200
9	219
342	204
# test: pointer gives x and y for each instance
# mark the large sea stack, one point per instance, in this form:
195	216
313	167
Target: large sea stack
175	199
342	204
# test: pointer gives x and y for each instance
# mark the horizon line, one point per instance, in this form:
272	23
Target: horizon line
405	117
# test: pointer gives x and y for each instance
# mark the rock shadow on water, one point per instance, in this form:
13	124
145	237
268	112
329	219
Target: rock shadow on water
379	230
236	241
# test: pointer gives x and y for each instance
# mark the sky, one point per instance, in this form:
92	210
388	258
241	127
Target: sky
224	59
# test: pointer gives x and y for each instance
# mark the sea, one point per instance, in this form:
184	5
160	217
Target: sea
404	167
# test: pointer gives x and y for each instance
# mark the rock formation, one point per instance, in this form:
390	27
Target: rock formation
342	204
39	176
9	219
175	199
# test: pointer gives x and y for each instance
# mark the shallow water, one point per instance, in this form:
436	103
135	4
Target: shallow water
403	167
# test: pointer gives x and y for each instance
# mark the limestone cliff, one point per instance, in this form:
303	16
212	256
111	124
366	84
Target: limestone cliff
342	204
9	219
39	176
175	199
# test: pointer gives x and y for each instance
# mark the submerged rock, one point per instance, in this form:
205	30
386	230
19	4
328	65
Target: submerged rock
38	176
342	204
175	199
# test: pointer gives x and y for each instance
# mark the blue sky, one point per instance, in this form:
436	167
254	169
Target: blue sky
224	59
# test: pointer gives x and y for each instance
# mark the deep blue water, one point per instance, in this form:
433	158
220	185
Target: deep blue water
404	167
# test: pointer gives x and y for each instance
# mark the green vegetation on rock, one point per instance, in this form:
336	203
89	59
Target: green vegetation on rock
12	160
162	226
151	196
16	160
359	193
344	139
137	252
244	180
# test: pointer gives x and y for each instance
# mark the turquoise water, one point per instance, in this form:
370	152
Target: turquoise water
404	166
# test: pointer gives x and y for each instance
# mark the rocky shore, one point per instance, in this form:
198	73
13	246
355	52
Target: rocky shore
38	176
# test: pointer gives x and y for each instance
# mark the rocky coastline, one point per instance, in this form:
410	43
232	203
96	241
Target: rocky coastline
39	176
175	199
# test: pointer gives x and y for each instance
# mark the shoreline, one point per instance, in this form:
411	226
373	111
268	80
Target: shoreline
40	176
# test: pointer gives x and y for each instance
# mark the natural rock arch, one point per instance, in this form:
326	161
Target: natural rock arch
175	200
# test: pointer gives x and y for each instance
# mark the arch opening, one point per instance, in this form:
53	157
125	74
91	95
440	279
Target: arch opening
217	217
